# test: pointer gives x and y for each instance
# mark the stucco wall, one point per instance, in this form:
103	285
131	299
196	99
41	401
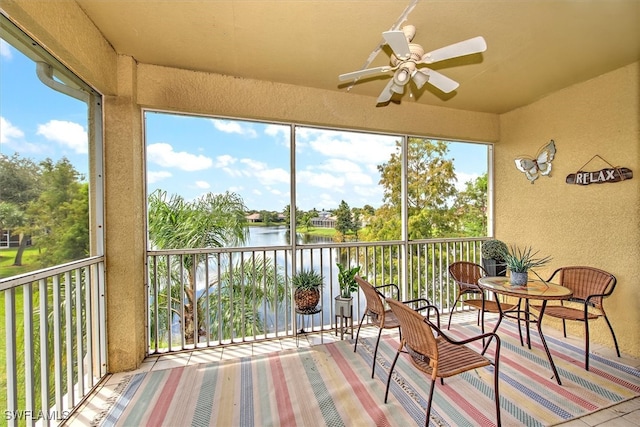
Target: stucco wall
596	225
215	94
64	30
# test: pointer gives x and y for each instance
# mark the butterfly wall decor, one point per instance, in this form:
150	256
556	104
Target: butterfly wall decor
540	165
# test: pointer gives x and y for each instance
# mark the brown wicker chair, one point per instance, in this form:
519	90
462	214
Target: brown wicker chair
380	316
590	286
437	355
466	275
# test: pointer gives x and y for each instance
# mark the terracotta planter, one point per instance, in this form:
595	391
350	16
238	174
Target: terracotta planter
306	299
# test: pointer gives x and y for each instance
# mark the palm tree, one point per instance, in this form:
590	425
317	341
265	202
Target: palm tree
210	221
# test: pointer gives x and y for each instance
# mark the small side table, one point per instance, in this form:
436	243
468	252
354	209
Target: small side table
303	313
346	321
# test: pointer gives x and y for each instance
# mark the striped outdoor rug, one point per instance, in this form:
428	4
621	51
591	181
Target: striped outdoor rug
331	385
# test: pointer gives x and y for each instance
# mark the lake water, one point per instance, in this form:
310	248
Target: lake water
279	236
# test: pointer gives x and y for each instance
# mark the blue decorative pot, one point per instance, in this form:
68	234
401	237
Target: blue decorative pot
519	279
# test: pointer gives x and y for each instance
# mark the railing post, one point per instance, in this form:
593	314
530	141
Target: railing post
11	362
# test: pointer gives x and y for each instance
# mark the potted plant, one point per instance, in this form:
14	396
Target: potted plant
306	285
348	285
520	261
493	257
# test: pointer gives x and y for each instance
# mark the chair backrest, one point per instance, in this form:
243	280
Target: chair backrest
466	274
586	281
416	333
375	301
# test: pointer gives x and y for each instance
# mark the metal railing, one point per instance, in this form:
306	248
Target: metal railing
54	321
218	296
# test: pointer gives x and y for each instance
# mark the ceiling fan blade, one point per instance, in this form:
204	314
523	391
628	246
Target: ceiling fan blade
366	72
386	94
398	43
442	82
466	47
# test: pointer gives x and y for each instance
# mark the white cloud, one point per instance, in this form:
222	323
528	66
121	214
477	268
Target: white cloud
276	192
321	180
202	185
153	177
69	134
5	50
234	126
8	131
327	201
279	133
351	172
339	165
224	161
361	148
463	178
162	154
263	174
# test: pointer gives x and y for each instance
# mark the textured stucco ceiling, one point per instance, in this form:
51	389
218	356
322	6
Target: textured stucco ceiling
534	47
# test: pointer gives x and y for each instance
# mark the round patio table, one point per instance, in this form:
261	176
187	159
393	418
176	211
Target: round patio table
534	290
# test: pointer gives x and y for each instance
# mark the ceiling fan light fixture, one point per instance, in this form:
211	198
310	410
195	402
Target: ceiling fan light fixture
420	78
401	76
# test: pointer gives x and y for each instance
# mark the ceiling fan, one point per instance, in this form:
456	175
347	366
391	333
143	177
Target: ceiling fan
408	60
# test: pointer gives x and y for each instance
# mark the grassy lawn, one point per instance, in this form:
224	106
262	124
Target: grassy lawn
29	262
317	231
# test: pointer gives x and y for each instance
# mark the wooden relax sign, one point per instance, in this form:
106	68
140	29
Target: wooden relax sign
598	177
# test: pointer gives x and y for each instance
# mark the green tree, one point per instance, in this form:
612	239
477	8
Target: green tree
287	215
305	221
12	218
60	216
267	217
470	208
356	215
368	210
344	220
210	221
19	186
430	190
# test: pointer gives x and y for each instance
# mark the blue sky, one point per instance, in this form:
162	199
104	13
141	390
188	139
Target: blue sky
192	155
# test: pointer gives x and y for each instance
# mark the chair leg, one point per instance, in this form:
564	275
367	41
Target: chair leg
481	323
358	333
428	414
496	380
586	343
386	393
375	353
564	328
615	341
451	311
519	327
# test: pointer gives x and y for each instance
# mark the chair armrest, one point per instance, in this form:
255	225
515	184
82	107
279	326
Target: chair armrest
429	308
389	285
420	307
468	340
